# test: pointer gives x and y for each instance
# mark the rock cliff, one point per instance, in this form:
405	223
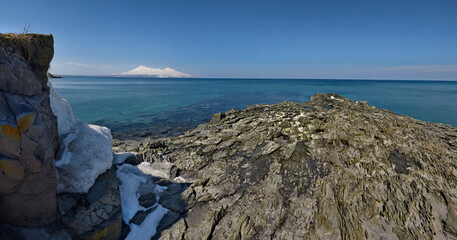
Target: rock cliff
48	158
28	131
330	168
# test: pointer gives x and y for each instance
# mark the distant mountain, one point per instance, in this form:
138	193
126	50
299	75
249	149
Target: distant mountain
143	71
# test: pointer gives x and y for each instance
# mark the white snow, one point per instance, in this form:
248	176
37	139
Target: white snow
180	179
131	177
334	98
119	158
155	72
148	227
62	110
84	149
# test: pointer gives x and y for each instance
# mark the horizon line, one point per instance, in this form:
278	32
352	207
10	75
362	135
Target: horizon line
255	78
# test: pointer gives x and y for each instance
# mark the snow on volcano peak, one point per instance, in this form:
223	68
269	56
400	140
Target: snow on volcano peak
155	72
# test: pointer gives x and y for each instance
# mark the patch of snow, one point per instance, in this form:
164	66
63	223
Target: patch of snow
131	177
83	155
119	158
180	179
85	150
334	98
155	72
148	227
62	110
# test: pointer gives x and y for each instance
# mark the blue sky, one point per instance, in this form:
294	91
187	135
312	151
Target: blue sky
274	39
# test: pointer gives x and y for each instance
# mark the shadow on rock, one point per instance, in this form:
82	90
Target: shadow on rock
152	199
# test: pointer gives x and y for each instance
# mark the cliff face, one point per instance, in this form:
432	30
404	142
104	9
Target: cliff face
28	131
48	154
330	168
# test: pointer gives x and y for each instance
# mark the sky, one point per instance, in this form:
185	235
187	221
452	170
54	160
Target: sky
352	39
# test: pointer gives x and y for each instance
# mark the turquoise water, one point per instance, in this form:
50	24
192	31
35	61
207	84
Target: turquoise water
168	106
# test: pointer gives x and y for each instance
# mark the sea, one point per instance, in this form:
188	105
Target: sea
167	107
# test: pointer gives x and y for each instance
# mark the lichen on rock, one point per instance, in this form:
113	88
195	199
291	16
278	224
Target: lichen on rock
28	132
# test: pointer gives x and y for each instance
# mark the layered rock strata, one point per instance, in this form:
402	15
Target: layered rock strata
330	168
28	131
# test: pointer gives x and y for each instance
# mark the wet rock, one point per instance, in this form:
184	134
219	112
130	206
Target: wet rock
330	168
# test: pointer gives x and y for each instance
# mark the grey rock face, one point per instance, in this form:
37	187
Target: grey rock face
330	168
28	131
97	214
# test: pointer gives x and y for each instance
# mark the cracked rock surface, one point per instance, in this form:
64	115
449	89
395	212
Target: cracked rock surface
28	131
330	168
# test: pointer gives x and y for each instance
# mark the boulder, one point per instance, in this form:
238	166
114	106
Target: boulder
28	131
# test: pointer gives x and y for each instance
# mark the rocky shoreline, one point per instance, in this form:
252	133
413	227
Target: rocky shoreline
330	168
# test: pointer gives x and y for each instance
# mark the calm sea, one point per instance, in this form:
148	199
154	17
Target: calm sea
169	106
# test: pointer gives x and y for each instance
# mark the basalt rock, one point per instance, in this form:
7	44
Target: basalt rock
330	168
28	131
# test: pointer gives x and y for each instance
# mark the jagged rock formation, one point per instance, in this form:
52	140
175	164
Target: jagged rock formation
330	168
28	131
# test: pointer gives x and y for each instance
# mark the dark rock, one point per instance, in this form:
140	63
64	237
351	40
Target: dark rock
97	214
50	75
134	160
141	215
169	219
148	200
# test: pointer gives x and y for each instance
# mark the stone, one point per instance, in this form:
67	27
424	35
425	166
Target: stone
330	168
217	117
28	131
97	214
147	200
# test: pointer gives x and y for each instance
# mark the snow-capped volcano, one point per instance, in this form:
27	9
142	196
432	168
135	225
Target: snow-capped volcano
155	72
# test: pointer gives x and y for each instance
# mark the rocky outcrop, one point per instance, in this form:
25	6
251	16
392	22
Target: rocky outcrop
38	132
28	131
330	168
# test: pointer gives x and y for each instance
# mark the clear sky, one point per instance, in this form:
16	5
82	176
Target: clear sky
389	39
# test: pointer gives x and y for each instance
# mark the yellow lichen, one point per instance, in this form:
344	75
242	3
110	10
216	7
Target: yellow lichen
25	122
105	233
12	169
9	131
